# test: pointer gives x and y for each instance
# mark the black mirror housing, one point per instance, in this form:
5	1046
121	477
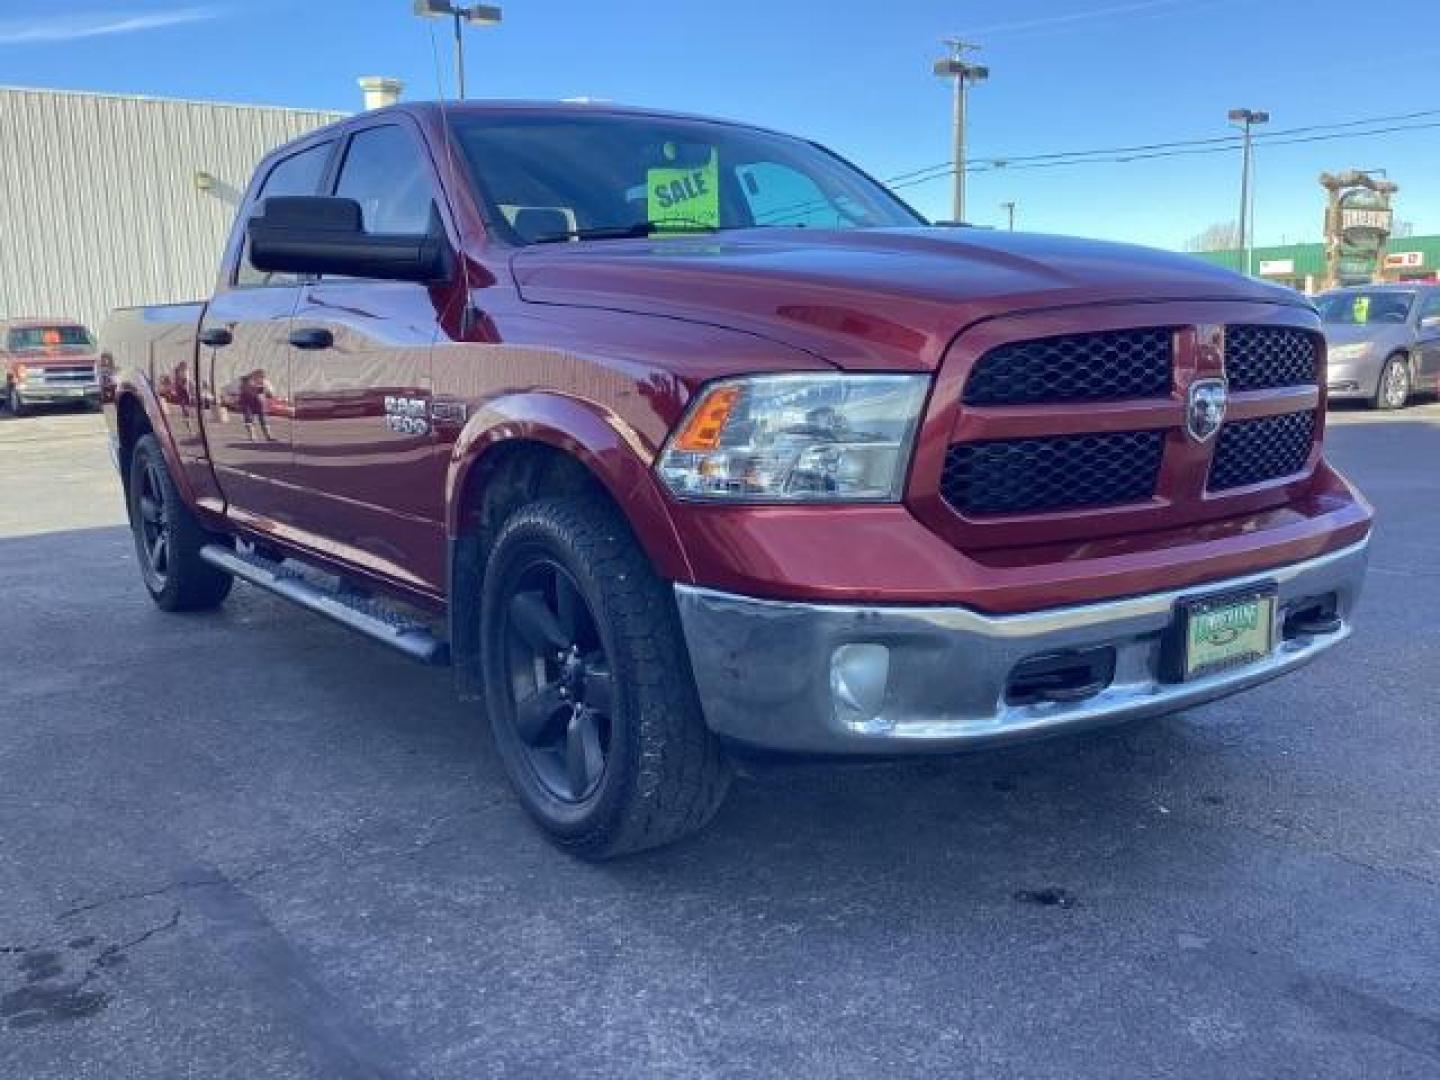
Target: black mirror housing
314	234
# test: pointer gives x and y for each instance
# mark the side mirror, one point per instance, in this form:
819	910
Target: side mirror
311	234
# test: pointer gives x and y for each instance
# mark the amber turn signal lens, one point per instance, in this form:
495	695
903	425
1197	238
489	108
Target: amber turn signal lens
702	431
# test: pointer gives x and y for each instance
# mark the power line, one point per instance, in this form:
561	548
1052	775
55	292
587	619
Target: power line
1145	151
1123	155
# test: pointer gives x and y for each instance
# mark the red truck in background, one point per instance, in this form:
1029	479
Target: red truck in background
678	438
46	362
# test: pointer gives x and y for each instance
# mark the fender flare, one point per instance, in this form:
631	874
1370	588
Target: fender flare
136	385
610	449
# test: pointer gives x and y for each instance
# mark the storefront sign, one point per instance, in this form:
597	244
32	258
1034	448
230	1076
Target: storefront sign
1378	220
1276	267
1404	260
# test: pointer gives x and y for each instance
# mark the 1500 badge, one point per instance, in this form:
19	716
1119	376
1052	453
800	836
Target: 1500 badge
407	415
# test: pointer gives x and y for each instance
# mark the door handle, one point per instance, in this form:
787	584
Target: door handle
312	337
216	336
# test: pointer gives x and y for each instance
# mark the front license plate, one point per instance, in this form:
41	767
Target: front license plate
1222	632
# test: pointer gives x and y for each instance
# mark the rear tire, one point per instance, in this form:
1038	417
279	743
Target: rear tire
1395	386
168	539
591	700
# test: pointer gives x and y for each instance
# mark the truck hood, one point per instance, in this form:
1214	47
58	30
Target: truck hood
882	298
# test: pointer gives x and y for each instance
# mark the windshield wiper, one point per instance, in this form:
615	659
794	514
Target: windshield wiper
636	231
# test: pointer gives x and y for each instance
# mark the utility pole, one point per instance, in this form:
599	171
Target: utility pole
1247	118
954	67
478	15
1009	208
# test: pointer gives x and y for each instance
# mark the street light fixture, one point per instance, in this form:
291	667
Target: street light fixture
1247	118
475	15
955	67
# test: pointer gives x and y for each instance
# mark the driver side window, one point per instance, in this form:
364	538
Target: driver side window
385	173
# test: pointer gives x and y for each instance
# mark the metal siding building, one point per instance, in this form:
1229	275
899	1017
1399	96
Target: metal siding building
99	203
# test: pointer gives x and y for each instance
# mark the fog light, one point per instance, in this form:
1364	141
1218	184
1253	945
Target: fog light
858	678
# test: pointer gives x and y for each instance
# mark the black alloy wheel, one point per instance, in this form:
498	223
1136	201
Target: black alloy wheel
168	539
559	679
152	526
588	686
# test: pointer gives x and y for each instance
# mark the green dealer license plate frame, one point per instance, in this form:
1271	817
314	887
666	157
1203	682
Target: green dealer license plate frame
1221	632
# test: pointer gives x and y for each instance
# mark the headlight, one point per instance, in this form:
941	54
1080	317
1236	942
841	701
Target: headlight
797	438
1349	352
20	373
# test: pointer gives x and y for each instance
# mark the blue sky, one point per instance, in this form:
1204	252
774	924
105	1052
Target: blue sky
1066	75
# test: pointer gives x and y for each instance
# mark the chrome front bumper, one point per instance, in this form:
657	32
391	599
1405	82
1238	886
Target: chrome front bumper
58	393
848	679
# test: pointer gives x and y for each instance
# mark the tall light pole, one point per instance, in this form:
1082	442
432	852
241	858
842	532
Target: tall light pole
475	15
955	67
1009	208
1247	118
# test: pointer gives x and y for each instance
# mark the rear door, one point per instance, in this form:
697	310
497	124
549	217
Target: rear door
245	376
365	452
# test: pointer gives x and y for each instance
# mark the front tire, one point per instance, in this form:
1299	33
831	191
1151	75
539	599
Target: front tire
16	403
591	700
1393	390
168	539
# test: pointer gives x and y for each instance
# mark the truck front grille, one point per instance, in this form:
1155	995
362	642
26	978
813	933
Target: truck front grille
1063	472
1083	429
69	375
1267	357
1113	365
1254	451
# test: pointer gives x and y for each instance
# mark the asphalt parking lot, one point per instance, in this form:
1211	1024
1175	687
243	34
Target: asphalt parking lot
249	845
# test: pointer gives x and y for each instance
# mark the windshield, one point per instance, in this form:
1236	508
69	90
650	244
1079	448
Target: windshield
1363	308
546	178
47	337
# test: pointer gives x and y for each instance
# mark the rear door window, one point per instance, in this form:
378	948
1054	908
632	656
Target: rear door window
299	174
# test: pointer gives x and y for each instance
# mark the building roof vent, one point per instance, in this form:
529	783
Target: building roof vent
380	90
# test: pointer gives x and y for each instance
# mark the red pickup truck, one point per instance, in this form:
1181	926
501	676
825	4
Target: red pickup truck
678	439
46	362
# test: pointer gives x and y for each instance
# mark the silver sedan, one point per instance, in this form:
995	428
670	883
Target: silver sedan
1384	342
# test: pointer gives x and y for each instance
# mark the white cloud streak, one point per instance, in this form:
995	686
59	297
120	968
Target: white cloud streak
72	26
1045	22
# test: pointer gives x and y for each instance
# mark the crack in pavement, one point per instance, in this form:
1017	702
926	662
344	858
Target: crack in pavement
223	880
111	954
120	898
48	997
1293	839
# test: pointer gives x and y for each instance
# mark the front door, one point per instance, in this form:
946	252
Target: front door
365	452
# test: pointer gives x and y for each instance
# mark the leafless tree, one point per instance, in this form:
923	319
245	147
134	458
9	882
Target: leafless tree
1222	236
